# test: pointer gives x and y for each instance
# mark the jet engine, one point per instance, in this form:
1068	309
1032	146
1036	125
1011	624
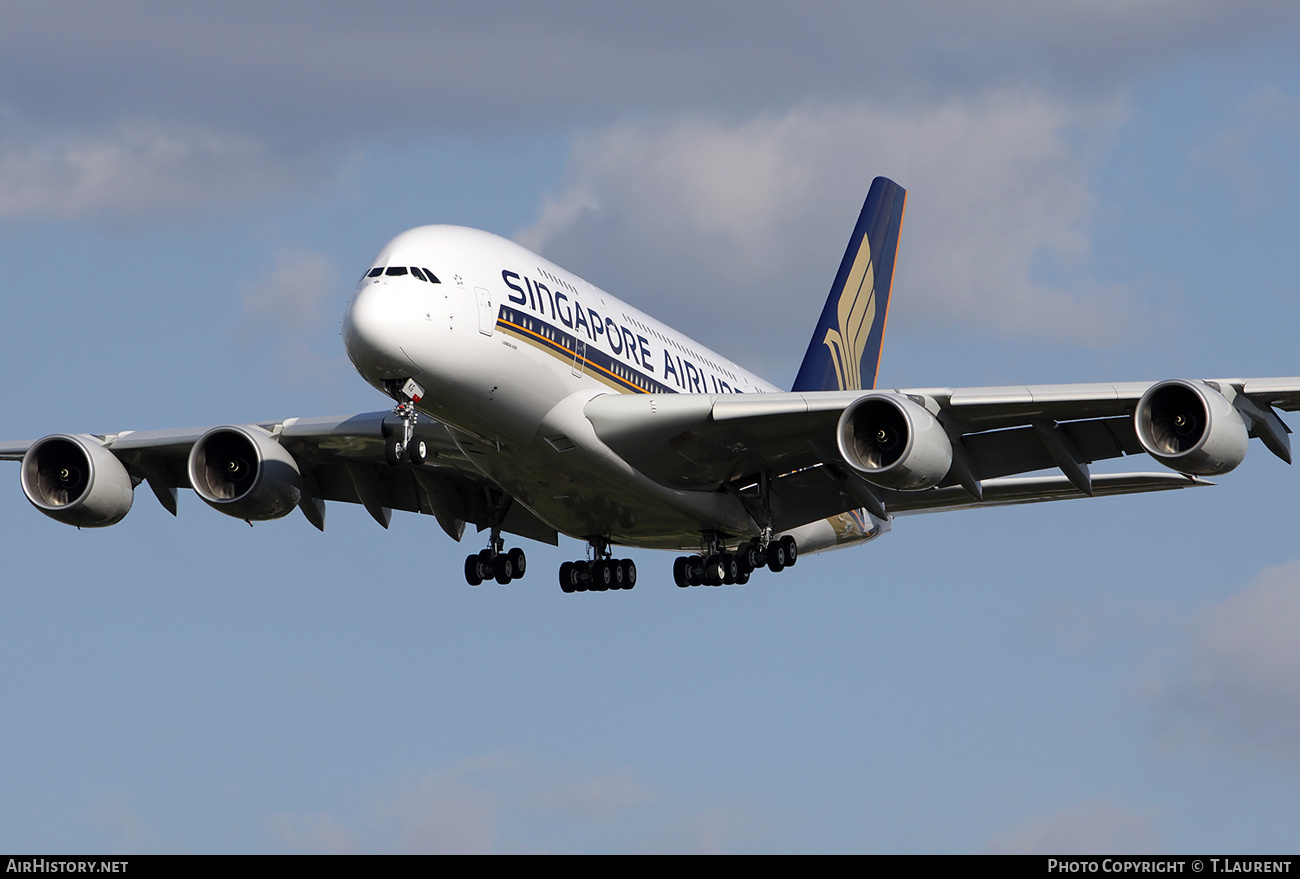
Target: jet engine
1190	427
242	472
894	442
73	479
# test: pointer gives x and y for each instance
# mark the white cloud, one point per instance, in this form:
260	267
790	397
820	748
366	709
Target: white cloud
289	313
136	169
593	799
1092	827
500	803
317	834
1268	119
1238	684
292	298
700	219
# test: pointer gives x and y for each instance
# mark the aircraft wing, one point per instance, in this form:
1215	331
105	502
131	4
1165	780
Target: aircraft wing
339	459
961	444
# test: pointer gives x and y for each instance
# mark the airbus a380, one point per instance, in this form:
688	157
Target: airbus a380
529	402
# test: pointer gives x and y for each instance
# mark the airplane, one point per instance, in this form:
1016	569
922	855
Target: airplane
532	403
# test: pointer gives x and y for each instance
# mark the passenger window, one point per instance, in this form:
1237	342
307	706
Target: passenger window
375	272
394	271
417	273
432	277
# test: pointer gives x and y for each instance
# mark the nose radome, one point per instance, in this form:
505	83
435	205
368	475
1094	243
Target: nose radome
372	331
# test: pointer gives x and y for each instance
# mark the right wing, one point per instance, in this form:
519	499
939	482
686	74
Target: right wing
85	479
827	452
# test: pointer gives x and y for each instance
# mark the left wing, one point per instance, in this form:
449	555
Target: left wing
264	470
942	448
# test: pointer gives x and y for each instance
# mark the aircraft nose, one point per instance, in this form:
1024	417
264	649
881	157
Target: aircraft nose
372	333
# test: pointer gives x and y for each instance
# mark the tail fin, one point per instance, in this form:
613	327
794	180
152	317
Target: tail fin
844	353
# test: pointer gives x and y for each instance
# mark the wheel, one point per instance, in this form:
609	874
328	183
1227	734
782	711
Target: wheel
714	571
733	569
602	575
742	579
393	451
418	453
748	556
791	550
681	571
520	561
485	571
629	573
694	570
582	576
775	558
503	568
472	576
616	572
568	582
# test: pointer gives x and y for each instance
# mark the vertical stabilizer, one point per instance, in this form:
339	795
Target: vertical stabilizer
844	353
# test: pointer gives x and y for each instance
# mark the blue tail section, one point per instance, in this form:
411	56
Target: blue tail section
845	350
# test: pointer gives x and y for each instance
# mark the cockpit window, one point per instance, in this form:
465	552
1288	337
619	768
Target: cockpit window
393	271
417	273
432	277
375	272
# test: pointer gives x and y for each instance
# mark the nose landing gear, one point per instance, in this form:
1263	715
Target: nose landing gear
405	447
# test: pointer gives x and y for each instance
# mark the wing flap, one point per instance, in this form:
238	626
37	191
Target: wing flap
1034	489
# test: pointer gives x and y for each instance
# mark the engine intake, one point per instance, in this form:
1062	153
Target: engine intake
242	472
73	479
894	442
1190	427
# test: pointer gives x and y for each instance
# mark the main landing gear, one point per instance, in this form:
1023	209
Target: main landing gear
717	567
494	564
405	447
599	574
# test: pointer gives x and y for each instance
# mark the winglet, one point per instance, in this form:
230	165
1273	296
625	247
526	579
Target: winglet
844	353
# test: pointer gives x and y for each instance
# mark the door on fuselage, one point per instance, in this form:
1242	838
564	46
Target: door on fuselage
487	318
579	353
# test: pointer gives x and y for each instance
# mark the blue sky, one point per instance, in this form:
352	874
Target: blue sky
1096	192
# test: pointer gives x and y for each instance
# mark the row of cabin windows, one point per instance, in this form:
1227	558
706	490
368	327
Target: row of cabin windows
396	271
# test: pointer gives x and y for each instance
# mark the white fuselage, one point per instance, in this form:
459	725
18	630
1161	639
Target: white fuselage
509	349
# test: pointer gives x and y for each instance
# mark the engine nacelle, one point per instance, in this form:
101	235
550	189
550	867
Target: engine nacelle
242	472
1190	427
73	479
894	442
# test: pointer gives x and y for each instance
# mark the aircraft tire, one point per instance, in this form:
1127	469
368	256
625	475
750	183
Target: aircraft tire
694	570
471	570
629	573
791	550
503	568
681	568
418	452
776	558
393	451
519	560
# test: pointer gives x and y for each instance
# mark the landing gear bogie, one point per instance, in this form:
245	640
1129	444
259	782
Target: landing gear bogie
601	574
492	564
719	568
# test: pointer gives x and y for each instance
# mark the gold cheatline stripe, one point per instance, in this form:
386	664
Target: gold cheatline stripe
621	383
